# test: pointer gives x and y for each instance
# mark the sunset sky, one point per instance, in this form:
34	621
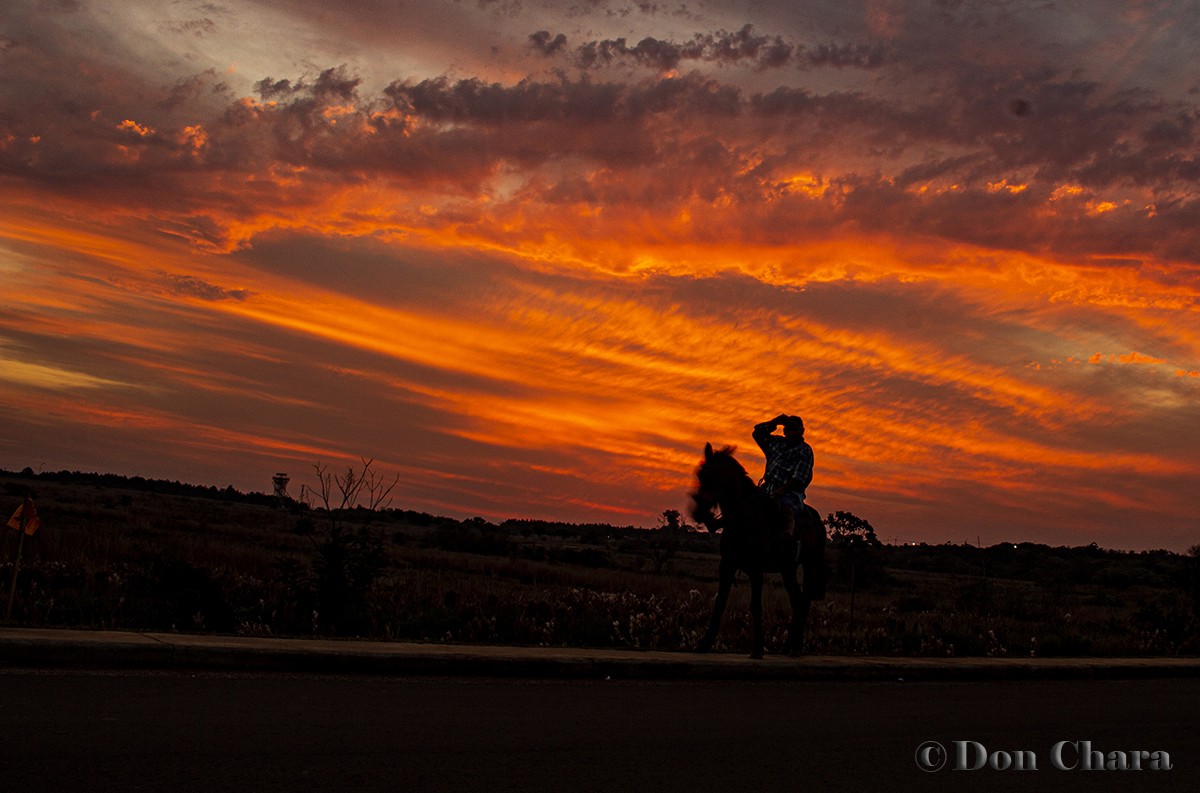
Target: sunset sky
532	255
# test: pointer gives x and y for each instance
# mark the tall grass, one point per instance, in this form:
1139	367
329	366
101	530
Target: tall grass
120	559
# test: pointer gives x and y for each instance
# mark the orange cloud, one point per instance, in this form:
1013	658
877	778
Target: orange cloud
140	130
542	284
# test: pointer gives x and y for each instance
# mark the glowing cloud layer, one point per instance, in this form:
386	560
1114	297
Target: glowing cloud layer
534	257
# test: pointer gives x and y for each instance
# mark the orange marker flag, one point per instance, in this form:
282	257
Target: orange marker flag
25	517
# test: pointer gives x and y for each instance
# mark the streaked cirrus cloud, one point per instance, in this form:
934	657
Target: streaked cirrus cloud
533	257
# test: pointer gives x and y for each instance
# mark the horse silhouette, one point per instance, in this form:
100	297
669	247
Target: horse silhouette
752	540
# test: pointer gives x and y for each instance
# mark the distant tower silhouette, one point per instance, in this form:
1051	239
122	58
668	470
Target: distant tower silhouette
281	483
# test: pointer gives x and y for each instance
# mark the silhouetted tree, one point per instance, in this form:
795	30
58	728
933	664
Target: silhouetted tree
664	541
848	529
347	563
363	488
1193	568
855	539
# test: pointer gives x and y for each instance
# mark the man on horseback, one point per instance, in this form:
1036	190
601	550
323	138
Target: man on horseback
789	465
751	540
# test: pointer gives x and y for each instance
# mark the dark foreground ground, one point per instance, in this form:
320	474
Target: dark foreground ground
97	711
128	730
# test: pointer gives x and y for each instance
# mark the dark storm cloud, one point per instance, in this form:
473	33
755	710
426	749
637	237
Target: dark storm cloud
198	287
861	56
334	84
582	102
694	129
744	46
188	92
192	27
705	136
542	42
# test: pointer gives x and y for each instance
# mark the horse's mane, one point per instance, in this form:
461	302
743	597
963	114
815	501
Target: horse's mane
736	494
724	456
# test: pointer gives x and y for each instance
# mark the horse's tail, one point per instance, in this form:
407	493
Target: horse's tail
811	534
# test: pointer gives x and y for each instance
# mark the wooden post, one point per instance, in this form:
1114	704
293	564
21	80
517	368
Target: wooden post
853	564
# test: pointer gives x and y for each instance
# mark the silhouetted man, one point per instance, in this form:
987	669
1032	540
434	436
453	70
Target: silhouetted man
789	465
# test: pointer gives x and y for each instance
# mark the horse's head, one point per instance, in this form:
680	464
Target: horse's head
716	479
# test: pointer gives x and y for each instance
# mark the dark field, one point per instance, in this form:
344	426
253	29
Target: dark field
134	554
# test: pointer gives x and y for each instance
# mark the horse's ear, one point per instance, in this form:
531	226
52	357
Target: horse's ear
708	451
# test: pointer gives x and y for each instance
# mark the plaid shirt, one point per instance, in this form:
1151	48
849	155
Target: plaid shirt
785	461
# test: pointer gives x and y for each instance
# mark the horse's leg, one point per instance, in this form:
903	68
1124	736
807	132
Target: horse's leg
801	619
756	589
726	575
811	532
800	604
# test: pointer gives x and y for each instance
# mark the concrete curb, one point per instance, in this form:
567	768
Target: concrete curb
76	649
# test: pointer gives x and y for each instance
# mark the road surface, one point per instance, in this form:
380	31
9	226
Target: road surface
173	731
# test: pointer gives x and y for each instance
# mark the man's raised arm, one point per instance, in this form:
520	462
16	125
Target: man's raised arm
763	431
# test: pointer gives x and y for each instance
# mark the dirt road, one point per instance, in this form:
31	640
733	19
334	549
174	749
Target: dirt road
91	731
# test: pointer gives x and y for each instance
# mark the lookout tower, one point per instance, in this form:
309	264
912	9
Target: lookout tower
281	483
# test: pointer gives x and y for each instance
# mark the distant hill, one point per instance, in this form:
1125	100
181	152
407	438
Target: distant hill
120	552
